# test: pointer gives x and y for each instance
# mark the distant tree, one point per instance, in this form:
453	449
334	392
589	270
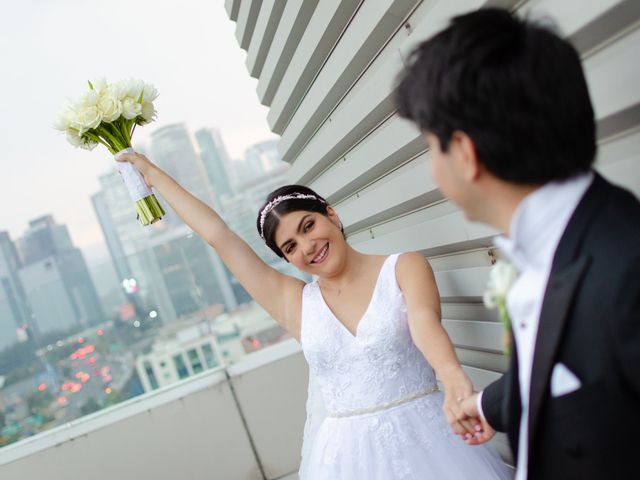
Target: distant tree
2	420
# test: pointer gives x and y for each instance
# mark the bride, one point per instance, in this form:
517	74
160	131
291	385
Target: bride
370	330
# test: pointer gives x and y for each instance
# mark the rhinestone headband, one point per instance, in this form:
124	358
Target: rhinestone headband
278	200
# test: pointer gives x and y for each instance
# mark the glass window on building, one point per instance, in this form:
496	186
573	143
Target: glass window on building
209	357
194	359
148	369
181	367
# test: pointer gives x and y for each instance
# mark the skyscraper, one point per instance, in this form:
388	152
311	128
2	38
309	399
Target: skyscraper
55	278
215	159
173	151
190	275
14	311
263	156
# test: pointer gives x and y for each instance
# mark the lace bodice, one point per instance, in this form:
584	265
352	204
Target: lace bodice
379	364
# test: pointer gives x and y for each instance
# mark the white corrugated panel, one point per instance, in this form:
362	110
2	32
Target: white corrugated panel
332	103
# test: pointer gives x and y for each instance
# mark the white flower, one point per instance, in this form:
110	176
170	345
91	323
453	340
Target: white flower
130	89
87	99
149	93
502	276
131	108
87	118
148	112
63	121
98	85
109	105
77	140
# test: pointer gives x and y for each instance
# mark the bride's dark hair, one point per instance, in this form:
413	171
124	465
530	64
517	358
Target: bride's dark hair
290	198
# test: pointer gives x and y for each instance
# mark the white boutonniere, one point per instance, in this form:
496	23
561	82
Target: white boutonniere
501	278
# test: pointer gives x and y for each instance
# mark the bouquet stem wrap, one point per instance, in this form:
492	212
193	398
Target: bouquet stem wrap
148	208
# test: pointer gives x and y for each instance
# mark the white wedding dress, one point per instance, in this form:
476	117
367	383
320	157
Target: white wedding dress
380	414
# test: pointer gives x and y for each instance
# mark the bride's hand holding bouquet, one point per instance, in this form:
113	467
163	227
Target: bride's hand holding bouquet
107	114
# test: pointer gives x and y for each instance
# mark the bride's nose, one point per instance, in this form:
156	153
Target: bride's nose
309	246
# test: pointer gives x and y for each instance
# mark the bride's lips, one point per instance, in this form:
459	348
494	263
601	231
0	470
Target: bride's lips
322	255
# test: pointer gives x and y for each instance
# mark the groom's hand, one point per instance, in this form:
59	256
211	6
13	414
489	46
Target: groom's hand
455	393
469	410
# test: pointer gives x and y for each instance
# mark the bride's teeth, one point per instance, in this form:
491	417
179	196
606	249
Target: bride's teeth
321	254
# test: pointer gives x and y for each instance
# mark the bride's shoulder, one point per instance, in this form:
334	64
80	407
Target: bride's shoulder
411	265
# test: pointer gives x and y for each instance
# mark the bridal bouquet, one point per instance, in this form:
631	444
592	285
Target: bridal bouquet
107	114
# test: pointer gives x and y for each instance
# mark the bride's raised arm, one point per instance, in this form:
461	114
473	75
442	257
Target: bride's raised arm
278	294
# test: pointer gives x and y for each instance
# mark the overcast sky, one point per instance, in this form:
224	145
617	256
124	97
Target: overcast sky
48	50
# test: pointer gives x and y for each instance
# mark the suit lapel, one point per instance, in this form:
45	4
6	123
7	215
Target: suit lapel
569	265
555	309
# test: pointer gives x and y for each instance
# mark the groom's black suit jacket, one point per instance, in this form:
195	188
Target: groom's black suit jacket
590	322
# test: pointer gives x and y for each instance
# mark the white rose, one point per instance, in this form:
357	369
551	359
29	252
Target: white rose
86	118
134	88
110	106
63	121
503	274
131	108
149	93
119	90
127	88
99	85
148	112
87	99
501	277
75	138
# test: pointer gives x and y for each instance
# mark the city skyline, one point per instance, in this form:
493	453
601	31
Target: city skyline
44	173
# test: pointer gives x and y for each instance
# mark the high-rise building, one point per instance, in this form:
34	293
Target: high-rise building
56	281
259	159
14	312
191	273
264	156
173	151
110	233
215	159
44	238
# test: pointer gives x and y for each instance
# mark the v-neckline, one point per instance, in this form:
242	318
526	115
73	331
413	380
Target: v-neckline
354	336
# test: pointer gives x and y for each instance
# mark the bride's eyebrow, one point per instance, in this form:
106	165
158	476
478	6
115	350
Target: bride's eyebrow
298	230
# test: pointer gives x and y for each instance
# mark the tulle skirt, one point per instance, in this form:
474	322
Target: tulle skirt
408	442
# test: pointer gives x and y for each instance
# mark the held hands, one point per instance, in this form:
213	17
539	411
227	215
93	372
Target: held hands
469	410
457	388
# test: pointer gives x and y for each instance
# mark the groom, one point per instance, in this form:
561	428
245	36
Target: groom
505	108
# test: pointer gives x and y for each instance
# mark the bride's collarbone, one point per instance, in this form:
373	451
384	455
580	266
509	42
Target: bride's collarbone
350	301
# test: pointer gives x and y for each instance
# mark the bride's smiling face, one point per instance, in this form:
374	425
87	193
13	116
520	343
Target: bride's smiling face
311	241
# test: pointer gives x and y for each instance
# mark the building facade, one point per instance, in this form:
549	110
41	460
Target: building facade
55	278
216	161
14	311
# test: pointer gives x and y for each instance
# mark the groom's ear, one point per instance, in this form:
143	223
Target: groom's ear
467	155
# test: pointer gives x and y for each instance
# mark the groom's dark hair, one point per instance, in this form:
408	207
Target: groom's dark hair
516	88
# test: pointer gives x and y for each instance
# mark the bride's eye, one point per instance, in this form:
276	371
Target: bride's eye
289	248
308	226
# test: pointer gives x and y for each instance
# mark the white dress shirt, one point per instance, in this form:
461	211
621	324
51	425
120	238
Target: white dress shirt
536	229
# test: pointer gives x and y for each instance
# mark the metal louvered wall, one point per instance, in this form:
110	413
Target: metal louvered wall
326	69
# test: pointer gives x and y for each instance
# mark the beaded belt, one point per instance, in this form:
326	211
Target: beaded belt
384	406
